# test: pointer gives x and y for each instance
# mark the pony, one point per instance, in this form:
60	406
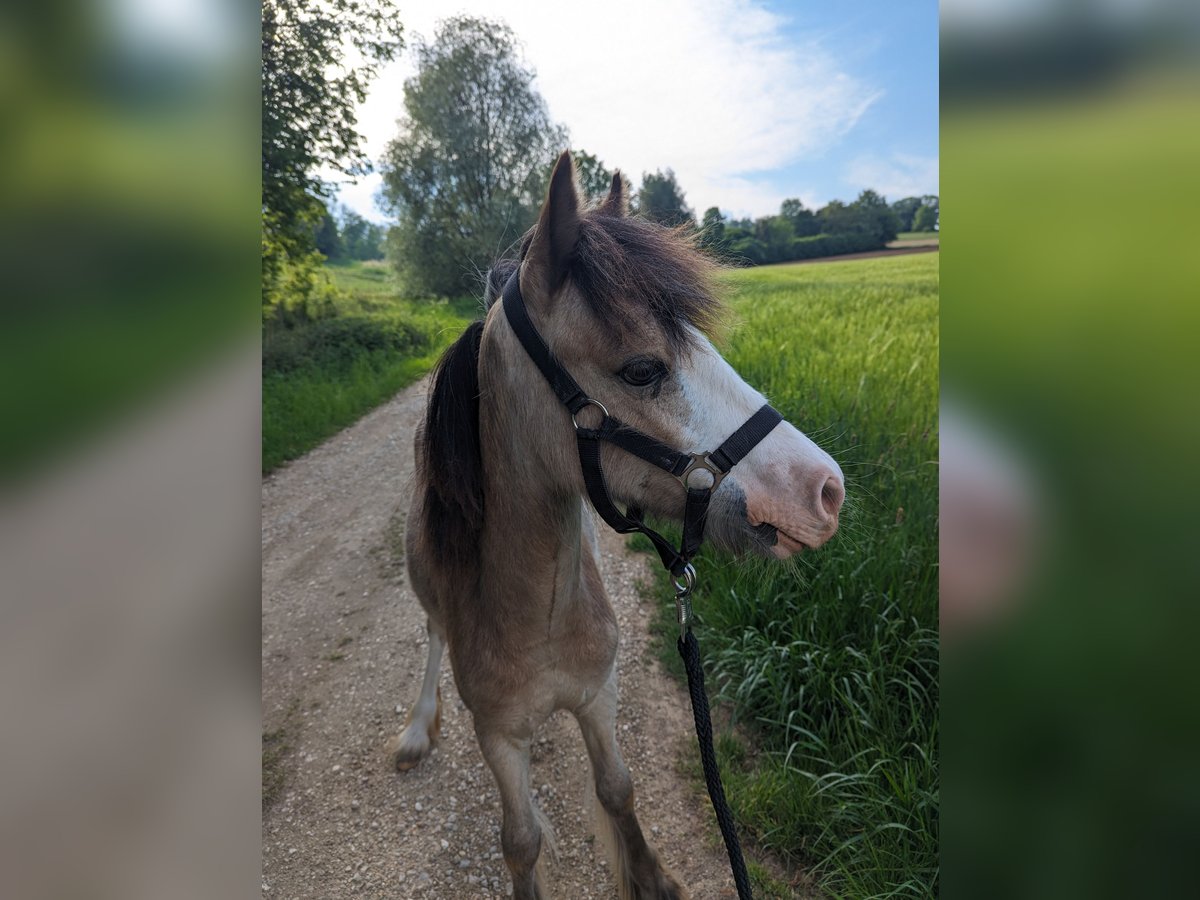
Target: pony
501	542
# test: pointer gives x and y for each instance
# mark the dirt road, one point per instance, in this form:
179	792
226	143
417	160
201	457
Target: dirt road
343	648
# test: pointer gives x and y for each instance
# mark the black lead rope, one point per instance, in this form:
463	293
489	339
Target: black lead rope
712	468
689	649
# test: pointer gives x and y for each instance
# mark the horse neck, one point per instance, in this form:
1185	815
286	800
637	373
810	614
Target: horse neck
531	545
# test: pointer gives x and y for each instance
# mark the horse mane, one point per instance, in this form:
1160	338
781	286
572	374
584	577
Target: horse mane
451	460
625	266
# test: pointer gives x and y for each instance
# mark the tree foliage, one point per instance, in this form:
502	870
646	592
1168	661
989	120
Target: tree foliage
803	221
466	174
908	210
836	217
660	199
328	240
776	235
309	92
344	234
712	230
905	210
361	239
925	219
595	179
874	217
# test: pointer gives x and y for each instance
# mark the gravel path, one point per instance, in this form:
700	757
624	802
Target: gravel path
343	649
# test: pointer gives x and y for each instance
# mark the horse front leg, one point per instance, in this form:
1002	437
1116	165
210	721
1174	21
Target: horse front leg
521	832
639	872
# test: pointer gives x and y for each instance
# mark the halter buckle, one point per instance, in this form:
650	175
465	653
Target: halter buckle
701	462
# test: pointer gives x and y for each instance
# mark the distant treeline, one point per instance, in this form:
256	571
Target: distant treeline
343	234
868	223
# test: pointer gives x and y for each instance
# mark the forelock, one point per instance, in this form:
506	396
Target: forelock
627	269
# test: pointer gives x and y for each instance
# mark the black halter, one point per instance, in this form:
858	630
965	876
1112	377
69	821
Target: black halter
684	466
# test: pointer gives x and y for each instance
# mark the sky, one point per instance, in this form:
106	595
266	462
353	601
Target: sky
749	101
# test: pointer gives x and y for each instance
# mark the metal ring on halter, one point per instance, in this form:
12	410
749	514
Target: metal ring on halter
588	402
689	581
701	463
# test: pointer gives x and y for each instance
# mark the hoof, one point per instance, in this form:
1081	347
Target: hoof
659	885
405	750
413	744
669	889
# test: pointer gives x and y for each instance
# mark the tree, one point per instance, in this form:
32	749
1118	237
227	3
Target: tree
466	174
925	219
660	199
327	239
875	217
804	221
354	233
594	179
360	239
775	234
712	231
309	92
836	217
869	215
373	241
749	250
905	211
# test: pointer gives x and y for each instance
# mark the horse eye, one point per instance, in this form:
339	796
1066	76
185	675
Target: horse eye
642	372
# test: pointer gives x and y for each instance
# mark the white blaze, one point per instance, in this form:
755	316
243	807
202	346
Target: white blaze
783	476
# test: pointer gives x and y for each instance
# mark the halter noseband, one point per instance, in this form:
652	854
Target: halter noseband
682	465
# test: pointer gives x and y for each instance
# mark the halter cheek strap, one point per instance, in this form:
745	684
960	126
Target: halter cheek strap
684	466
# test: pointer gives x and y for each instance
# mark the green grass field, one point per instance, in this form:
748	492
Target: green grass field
322	376
830	667
917	236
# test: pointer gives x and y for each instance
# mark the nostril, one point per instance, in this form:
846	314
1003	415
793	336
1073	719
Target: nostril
832	495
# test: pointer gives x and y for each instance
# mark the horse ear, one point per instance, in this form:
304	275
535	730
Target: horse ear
553	246
616	204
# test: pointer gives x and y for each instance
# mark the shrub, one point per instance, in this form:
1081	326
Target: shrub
335	343
747	251
833	245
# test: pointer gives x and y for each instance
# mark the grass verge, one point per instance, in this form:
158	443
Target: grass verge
829	667
320	376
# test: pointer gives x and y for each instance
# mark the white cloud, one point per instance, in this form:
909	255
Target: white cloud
900	175
710	88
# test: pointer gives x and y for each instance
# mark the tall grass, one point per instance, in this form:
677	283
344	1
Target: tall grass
320	376
831	665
